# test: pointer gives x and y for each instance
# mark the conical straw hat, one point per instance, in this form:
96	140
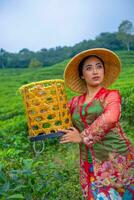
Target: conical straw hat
112	69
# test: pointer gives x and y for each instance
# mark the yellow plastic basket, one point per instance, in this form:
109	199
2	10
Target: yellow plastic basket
46	110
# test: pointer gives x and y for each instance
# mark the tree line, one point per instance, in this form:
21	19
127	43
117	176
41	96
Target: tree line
121	40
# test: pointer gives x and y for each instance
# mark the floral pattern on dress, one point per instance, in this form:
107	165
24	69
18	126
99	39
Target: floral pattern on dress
112	175
118	171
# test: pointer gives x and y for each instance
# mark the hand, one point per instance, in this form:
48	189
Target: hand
71	135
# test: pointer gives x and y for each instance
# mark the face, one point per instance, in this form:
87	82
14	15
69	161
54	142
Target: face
93	71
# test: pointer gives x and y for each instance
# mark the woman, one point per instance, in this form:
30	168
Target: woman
106	155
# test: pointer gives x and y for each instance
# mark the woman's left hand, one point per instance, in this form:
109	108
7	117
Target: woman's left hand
71	135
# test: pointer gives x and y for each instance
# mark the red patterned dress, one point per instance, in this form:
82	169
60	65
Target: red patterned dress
106	154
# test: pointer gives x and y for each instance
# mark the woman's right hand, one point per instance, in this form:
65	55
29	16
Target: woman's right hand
72	135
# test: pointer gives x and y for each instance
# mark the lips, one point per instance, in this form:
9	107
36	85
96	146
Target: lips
96	77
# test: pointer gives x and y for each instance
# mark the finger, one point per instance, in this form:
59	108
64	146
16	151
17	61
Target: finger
71	128
74	129
64	141
64	138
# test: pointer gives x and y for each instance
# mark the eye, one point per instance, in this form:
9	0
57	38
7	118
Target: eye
89	68
99	66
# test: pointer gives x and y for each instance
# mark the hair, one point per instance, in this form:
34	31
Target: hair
81	64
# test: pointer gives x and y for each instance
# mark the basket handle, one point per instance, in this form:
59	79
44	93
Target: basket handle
37	152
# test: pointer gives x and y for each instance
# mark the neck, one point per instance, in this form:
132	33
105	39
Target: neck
92	90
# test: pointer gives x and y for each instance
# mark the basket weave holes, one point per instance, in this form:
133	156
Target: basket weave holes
66	121
32	112
51	116
61	91
61	98
63	114
52	131
53	92
35	127
55	107
64	106
43	110
49	99
41	92
58	123
36	102
46	125
38	118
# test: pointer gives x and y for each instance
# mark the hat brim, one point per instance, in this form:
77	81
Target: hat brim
112	69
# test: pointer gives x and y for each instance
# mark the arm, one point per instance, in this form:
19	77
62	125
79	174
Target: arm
106	121
71	134
72	104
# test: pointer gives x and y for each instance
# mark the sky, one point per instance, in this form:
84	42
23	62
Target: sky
37	24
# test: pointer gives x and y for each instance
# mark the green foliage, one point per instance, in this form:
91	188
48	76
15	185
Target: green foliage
35	63
53	175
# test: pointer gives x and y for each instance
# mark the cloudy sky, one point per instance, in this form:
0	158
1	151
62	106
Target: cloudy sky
37	24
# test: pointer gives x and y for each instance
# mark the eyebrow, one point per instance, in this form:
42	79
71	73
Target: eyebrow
91	65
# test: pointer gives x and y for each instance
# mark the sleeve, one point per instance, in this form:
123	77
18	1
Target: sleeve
106	121
72	104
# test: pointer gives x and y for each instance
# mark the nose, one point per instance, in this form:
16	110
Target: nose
95	70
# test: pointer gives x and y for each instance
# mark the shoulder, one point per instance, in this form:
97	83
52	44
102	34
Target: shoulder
113	92
74	102
112	95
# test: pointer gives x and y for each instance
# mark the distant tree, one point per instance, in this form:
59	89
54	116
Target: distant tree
35	64
24	57
44	50
108	40
81	46
24	51
125	33
2	58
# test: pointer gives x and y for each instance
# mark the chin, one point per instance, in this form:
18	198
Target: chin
95	84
